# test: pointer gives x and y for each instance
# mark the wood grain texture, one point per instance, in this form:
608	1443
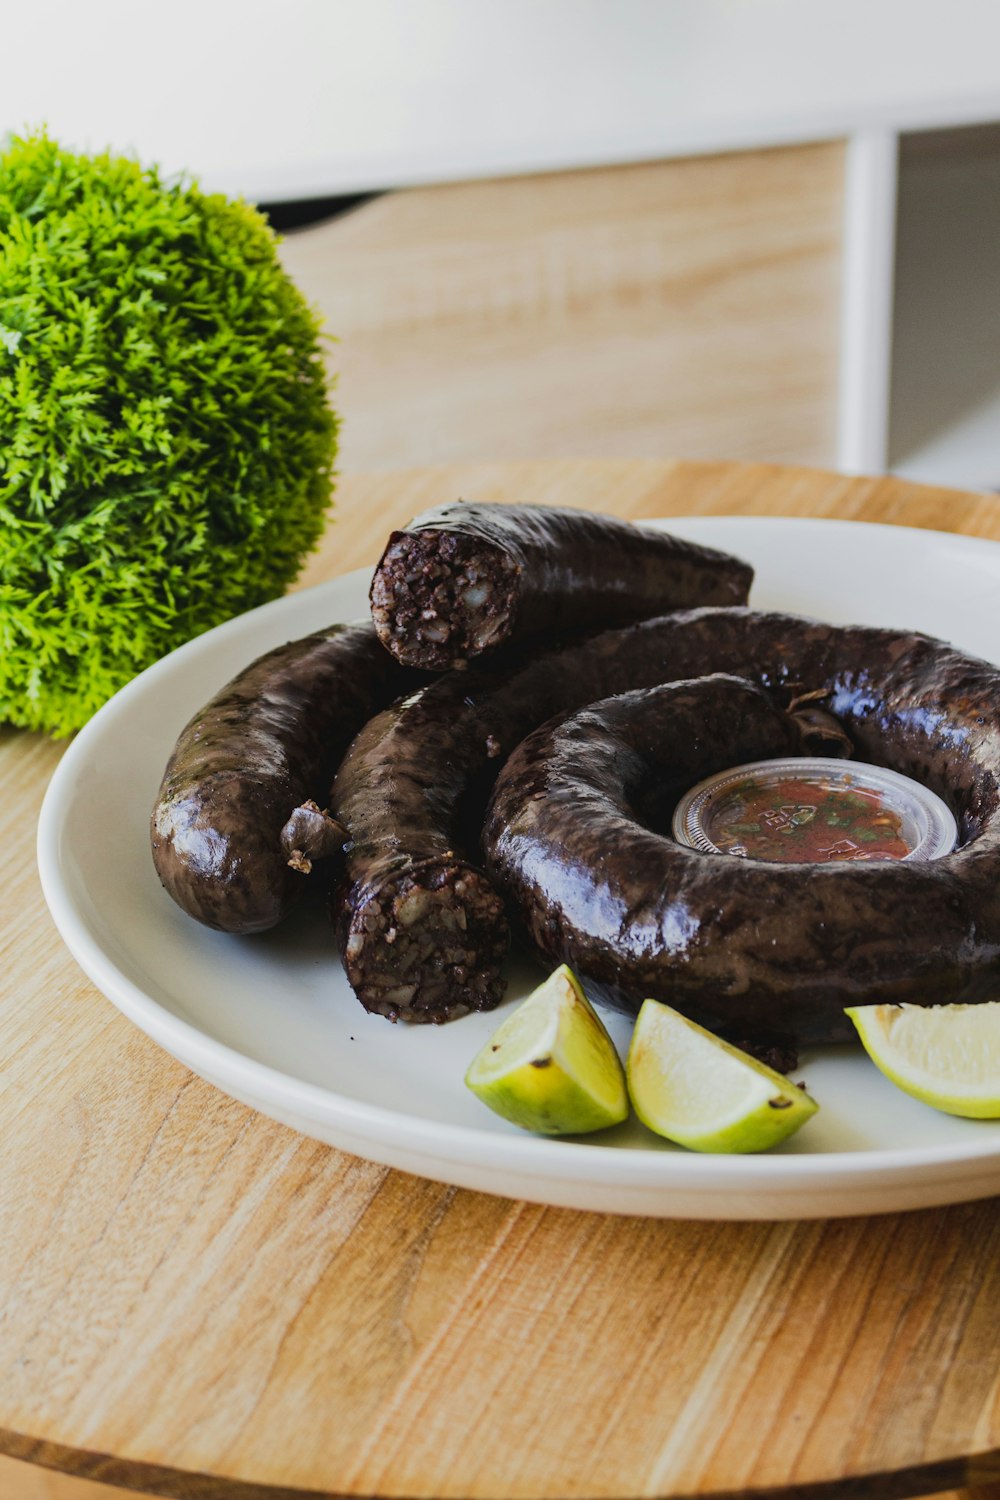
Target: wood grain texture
196	1301
28	1481
688	307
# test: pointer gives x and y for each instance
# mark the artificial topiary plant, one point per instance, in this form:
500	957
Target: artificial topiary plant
166	442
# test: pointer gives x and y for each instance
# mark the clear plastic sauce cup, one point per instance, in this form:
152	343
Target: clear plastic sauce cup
814	809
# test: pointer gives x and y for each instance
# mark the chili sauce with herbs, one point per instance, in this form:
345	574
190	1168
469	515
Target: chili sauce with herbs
805	820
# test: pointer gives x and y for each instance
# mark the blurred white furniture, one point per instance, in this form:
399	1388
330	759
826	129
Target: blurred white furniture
320	97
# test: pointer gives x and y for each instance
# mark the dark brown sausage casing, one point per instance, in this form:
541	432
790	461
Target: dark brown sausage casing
236	821
741	945
465	578
417	779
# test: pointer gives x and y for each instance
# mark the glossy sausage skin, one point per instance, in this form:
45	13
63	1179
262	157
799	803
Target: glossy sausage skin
413	788
465	578
236	822
740	945
577	836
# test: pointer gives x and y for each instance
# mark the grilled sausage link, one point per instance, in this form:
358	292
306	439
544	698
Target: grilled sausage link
464	578
413	788
236	823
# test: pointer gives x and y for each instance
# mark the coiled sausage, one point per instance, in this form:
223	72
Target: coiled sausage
574	837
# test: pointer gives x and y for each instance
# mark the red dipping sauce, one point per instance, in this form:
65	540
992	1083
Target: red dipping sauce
810	821
814	810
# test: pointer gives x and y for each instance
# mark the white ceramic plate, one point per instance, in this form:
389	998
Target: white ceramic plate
272	1021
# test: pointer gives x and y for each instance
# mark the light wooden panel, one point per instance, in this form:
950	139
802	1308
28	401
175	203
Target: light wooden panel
683	308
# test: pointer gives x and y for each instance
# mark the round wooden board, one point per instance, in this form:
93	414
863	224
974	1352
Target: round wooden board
198	1302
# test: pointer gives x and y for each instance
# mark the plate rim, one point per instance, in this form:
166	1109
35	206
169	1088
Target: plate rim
537	1157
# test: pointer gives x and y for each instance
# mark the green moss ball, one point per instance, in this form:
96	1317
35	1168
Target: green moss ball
166	440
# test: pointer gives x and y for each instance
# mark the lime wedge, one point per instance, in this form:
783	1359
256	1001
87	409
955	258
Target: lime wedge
697	1090
945	1055
552	1067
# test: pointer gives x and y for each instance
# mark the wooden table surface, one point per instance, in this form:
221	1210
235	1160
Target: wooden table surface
196	1301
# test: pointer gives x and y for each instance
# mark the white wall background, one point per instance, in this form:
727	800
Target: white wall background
312	97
